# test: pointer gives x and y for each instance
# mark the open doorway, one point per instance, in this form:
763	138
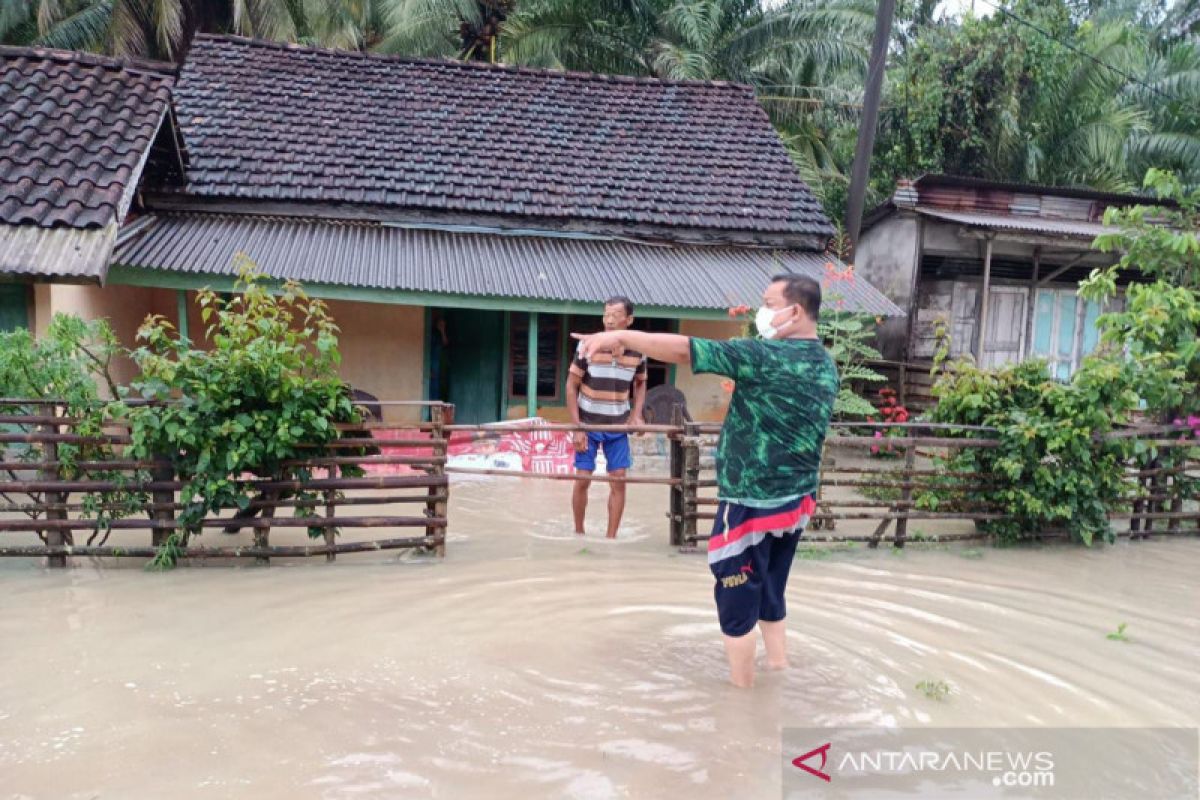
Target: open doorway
465	351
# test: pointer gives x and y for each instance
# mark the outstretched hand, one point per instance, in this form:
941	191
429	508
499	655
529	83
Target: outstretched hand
591	343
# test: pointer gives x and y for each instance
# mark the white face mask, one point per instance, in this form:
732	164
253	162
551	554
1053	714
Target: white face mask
763	320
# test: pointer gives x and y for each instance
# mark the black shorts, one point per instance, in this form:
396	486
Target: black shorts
750	553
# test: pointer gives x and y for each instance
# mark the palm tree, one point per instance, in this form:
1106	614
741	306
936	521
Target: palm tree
1075	125
1170	97
160	29
464	29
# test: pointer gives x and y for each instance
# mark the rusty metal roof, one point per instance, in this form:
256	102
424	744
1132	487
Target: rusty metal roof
1077	229
562	268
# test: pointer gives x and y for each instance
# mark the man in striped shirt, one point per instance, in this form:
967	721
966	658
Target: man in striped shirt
599	391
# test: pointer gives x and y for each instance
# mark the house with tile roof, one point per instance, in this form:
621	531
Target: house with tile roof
464	213
77	134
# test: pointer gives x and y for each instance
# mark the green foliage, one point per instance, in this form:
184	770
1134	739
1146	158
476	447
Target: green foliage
934	689
1107	96
1052	468
66	368
849	338
268	386
1158	328
1119	636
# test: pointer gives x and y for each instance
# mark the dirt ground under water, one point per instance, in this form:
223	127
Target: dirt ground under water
530	663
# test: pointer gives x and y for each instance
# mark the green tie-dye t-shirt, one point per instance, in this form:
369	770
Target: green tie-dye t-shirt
770	448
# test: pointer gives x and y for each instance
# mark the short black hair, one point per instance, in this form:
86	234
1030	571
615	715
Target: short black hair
621	300
802	291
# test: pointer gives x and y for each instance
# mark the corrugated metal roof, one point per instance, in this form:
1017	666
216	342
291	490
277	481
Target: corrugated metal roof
56	252
1041	189
1034	225
538	267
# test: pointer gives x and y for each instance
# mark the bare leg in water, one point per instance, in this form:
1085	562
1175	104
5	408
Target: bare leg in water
616	503
740	650
579	499
775	638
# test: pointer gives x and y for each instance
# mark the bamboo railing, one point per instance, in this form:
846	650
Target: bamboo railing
36	496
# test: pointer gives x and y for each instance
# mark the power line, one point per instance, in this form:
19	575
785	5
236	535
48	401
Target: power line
1079	52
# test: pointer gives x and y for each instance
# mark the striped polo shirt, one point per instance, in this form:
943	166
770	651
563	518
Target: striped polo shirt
607	381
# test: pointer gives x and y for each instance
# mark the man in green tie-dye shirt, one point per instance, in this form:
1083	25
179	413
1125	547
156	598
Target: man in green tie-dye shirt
768	458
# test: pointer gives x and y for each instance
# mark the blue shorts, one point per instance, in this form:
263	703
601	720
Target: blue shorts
616	452
750	553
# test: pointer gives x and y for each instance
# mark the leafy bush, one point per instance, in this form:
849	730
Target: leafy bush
1158	328
1052	468
268	386
67	368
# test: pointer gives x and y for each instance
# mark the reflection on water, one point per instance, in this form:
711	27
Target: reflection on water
533	663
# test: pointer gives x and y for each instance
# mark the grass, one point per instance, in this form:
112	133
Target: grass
934	690
972	552
1119	636
816	552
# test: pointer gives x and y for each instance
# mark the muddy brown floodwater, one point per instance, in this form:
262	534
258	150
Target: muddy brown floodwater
532	664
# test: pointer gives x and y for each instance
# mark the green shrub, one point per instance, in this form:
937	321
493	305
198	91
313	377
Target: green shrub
1052	468
267	387
68	367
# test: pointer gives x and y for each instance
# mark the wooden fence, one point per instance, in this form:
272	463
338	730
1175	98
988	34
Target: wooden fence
36	496
888	492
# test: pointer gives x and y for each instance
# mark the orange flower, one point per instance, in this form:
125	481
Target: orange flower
727	385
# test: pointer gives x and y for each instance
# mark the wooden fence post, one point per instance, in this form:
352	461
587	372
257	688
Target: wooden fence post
910	461
691	480
55	537
330	513
162	472
262	536
437	507
675	514
821	523
1176	502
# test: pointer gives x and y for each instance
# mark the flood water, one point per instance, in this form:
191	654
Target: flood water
532	664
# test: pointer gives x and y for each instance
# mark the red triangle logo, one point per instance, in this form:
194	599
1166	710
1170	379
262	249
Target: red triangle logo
823	750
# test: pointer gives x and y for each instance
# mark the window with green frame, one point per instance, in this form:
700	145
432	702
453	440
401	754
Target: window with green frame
1065	329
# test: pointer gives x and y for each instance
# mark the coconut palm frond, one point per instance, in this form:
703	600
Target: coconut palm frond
86	29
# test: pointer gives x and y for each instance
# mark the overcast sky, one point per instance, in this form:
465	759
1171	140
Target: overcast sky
958	7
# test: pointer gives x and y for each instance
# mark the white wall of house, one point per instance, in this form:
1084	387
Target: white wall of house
886	257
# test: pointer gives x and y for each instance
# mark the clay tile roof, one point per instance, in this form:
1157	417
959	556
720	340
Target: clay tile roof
75	132
271	121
